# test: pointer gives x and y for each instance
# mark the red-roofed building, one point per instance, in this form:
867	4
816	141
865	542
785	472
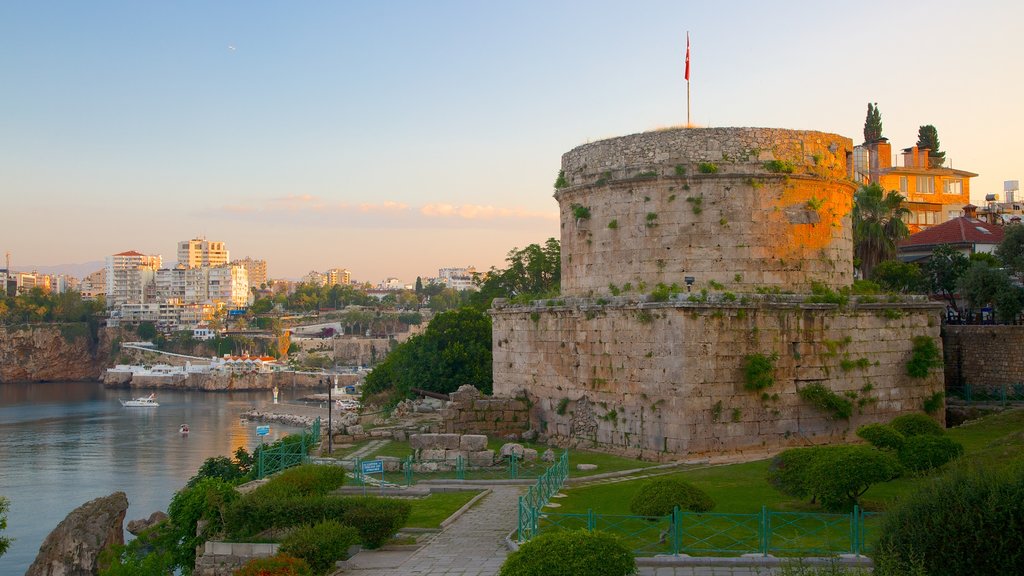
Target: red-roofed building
128	276
967	234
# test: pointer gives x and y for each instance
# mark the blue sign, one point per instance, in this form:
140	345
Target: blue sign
372	466
262	430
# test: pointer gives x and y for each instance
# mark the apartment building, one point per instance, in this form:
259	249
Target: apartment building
336	276
457	278
934	193
94	285
256	269
199	252
128	276
315	278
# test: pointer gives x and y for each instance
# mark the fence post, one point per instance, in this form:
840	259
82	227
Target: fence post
765	531
408	471
260	466
677	524
967	392
512	466
591	520
855	530
460	468
1003	393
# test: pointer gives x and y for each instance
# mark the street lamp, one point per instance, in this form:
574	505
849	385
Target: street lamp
330	421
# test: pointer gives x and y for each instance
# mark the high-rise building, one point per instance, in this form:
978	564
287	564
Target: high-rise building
256	269
337	276
457	278
94	285
315	278
129	274
199	252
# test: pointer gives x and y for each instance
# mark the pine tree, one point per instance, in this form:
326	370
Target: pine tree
928	137
873	124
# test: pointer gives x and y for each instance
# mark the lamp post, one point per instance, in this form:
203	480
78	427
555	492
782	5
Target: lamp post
330	421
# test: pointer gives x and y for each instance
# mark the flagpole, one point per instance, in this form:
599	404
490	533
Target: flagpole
688	123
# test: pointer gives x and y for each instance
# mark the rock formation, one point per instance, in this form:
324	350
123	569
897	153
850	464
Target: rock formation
74	546
53	352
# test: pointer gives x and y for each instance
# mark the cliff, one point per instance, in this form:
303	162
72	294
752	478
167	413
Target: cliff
53	352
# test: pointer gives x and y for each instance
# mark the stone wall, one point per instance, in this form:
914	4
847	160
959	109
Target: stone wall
985	357
471	413
663	379
223	558
655	217
219	382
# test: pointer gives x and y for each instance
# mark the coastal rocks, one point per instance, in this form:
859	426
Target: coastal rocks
279	417
140	525
53	352
74	546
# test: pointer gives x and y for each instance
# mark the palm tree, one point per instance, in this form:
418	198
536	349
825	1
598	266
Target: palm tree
877	225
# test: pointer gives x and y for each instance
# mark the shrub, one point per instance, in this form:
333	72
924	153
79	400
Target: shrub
924	356
920	453
304	480
658	498
827	400
839	477
779	166
279	565
788	470
561	182
571	553
580	212
916	424
881	436
207	500
966	522
321	545
936	401
759	371
376	519
708	168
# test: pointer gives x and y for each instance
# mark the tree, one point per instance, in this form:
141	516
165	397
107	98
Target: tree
455	349
873	124
146	330
982	285
943	271
1011	250
447	299
877	225
533	272
928	137
899	277
4	542
419	285
840	477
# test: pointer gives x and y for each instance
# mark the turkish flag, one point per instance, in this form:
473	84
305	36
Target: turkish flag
687	56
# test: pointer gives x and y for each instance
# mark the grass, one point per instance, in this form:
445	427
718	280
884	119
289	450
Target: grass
430	511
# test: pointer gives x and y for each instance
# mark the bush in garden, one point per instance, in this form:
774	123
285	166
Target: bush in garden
376	519
838	477
920	453
571	553
279	565
966	522
321	545
916	424
304	480
659	497
788	470
881	436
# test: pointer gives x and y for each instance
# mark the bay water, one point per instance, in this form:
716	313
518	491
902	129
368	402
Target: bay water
63	444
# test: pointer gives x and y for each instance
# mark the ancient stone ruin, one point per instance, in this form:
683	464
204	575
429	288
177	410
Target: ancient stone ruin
701	310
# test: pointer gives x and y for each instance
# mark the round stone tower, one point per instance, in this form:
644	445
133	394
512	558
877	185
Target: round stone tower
744	209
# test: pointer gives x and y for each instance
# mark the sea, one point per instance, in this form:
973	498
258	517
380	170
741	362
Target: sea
63	444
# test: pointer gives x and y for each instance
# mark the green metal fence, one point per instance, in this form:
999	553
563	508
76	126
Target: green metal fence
1003	393
274	459
538	495
704	534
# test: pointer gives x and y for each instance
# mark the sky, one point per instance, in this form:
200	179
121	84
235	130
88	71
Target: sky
395	138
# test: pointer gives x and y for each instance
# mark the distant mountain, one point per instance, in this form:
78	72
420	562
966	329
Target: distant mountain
77	270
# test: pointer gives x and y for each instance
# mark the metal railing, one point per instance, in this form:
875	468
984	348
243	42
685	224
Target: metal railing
411	471
538	495
274	459
1002	393
766	532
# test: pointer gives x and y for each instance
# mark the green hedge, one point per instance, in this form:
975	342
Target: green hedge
921	453
881	436
304	480
660	496
966	522
571	553
279	565
376	519
321	545
916	424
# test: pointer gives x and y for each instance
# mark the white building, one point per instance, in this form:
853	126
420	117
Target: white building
315	278
129	274
94	285
257	270
457	278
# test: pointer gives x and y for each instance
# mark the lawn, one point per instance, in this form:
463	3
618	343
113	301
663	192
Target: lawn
430	511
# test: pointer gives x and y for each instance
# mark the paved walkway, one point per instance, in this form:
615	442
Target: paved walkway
473	545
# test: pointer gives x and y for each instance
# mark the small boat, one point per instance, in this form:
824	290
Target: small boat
183	429
143	402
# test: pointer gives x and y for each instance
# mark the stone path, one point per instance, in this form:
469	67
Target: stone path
368	448
473	545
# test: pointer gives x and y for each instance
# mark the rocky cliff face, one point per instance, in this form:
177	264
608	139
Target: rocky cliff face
74	546
53	352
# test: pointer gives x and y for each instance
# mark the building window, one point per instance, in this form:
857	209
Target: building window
925	185
903	185
954	187
952	214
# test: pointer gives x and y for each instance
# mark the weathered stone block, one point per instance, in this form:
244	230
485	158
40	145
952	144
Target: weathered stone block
473	442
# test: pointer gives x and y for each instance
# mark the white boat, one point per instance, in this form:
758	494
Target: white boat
183	429
143	402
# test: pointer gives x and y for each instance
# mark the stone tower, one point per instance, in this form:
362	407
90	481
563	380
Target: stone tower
695	262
